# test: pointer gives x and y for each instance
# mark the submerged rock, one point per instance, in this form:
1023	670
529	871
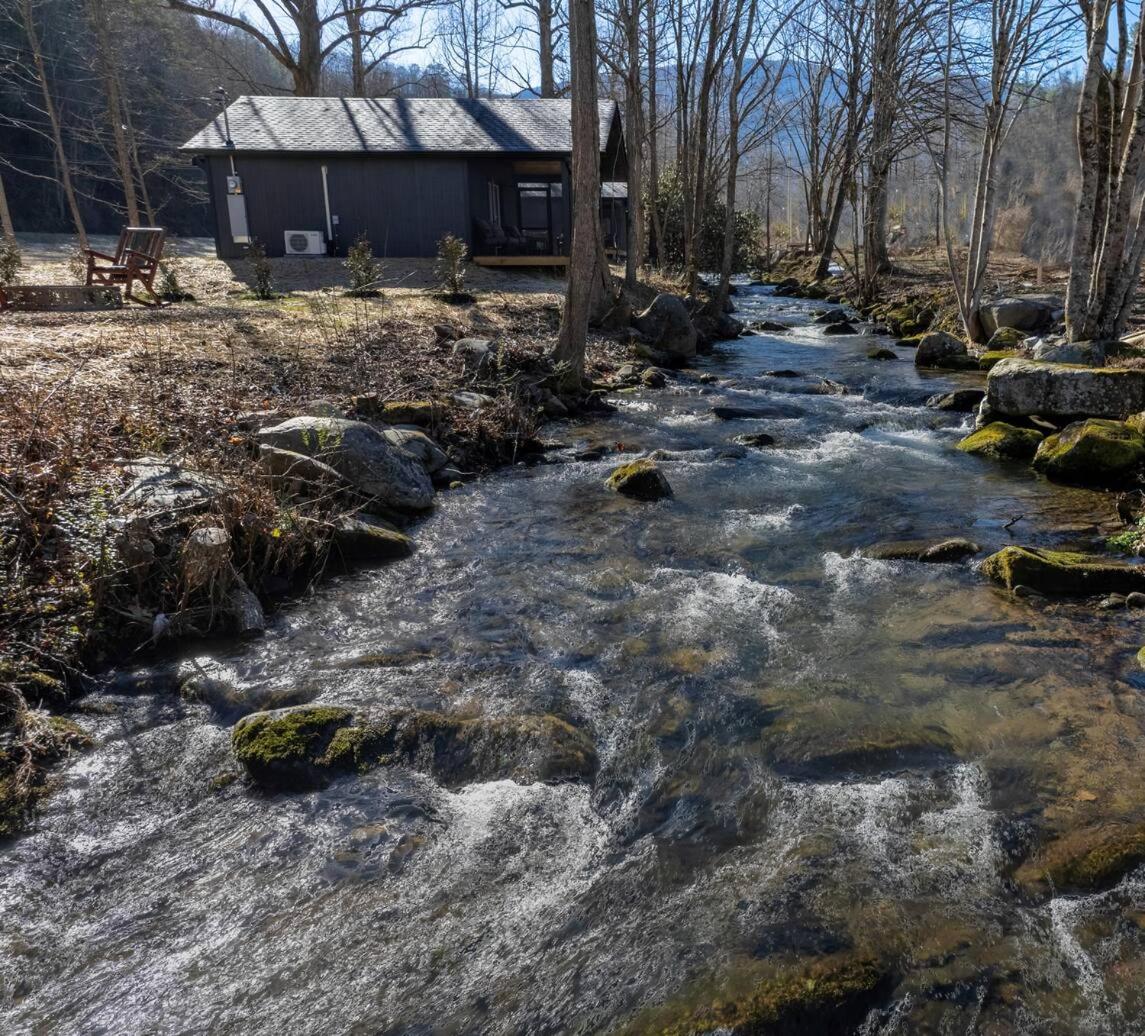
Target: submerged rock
765	410
1020	388
361	454
1089	860
953	549
640	479
843	327
1093	452
1064	573
1002	441
303	748
960	401
881	354
757	440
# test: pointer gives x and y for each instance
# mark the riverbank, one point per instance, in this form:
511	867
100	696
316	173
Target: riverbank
148	498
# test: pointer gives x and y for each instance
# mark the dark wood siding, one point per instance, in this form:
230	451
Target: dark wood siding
404	204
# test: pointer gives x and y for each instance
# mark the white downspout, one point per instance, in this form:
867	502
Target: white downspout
326	199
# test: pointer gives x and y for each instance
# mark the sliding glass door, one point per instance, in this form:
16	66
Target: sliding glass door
542	215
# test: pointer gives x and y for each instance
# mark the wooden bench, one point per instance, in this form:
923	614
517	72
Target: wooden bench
28	298
136	261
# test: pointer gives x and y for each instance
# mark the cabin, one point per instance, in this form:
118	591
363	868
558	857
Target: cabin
309	175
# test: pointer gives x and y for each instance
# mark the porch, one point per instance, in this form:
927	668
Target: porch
521	260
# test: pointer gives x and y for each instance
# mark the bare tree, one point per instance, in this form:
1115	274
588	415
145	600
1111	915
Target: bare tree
299	34
1109	224
550	30
586	251
471	40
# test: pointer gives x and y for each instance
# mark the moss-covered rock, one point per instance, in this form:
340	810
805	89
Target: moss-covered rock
284	749
1059	572
369	538
27	753
1088	860
640	479
827	996
797	748
948	550
304	748
987	359
1001	441
1091	452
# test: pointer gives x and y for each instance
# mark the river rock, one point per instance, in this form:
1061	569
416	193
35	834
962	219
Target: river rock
1001	441
1004	339
653	378
764	410
288	469
1028	313
841	328
960	401
1087	354
422	413
413	440
770	327
668	327
830	316
881	354
990	359
305	747
162	486
477	355
361	454
1092	452
369	538
1062	573
756	440
1091	859
1018	387
941	350
948	550
640	479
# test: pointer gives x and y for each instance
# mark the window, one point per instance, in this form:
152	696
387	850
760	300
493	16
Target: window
494	203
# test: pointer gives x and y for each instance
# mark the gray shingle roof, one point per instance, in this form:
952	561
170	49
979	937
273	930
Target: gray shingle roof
396	124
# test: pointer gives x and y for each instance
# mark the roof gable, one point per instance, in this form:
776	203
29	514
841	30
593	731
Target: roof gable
396	124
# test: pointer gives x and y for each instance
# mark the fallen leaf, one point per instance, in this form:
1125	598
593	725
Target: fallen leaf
1085	796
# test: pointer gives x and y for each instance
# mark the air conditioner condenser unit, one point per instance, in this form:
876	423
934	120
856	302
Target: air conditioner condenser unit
305	242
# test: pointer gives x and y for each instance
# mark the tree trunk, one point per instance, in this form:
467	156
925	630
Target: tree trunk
105	58
632	134
583	274
357	48
307	71
655	229
6	227
545	47
65	174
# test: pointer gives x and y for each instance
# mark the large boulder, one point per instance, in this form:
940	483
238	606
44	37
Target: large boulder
413	440
1028	313
640	479
377	468
1020	388
1093	452
1059	572
941	350
960	401
1001	441
668	327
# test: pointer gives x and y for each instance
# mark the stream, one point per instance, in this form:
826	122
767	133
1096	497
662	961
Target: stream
802	751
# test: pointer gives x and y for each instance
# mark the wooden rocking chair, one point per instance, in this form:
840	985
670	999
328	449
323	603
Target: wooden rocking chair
136	261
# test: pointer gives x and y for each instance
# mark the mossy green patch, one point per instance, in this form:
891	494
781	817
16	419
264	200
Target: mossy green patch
282	749
1001	441
1092	452
1058	572
987	359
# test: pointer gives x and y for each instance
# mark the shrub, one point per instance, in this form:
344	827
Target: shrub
260	270
10	262
364	268
170	288
748	229
451	255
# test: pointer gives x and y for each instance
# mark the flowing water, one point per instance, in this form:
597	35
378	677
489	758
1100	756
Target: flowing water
801	752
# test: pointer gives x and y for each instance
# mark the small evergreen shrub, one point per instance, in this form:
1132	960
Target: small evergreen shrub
363	267
451	255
